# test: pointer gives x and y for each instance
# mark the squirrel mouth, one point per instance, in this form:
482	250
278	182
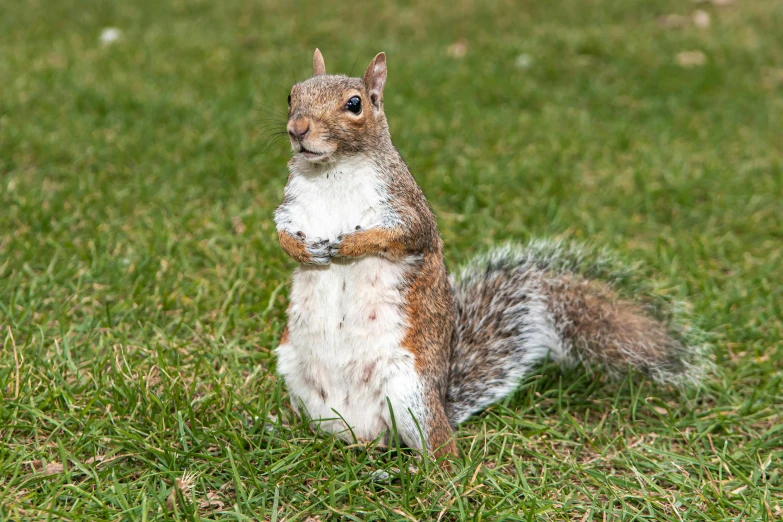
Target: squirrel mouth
310	155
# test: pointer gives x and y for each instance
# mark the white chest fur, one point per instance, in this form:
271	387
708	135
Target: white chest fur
326	203
343	358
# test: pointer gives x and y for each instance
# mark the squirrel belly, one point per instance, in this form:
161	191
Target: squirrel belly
342	356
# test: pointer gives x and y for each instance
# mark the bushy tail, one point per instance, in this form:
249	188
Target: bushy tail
518	306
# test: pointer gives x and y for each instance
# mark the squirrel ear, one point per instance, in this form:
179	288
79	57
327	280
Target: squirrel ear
318	63
375	78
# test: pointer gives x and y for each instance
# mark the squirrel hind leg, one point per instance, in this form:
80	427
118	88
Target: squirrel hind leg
440	436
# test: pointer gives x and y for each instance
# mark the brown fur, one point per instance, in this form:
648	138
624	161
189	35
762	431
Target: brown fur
320	104
603	326
294	247
439	432
385	242
429	306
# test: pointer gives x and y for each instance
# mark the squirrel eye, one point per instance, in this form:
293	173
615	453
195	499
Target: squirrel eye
354	105
289	99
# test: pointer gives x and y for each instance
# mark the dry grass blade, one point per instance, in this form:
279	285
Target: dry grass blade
212	502
17	365
691	58
182	487
53	468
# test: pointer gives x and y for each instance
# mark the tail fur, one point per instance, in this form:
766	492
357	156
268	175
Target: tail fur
518	306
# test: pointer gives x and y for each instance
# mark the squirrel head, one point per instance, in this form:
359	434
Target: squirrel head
334	117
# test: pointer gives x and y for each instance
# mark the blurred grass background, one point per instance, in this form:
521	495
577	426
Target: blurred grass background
142	289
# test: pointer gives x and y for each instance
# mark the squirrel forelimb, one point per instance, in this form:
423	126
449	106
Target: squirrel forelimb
388	242
304	251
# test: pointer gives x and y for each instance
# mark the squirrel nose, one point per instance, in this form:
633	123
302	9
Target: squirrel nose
299	128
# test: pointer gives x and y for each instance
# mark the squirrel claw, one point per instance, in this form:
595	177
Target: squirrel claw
334	247
319	252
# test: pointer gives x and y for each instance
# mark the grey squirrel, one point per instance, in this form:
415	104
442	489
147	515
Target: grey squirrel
377	334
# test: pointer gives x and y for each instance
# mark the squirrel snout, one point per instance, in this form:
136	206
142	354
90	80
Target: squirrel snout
299	128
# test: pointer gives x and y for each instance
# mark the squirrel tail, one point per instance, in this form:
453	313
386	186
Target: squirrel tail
519	306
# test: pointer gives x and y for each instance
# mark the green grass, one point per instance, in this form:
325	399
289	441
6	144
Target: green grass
142	289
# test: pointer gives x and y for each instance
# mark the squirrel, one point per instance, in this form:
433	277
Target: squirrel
378	336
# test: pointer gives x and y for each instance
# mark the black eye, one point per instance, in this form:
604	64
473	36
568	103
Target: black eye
289	99
354	105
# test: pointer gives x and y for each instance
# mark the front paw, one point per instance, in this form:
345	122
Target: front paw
334	246
320	251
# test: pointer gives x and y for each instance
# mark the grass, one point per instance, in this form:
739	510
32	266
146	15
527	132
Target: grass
142	289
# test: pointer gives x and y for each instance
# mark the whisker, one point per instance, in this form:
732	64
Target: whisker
272	115
271	125
354	64
271	131
281	70
268	133
265	118
271	137
269	143
272	119
279	152
273	109
284	87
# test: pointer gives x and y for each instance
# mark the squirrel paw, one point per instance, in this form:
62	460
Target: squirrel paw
334	246
320	252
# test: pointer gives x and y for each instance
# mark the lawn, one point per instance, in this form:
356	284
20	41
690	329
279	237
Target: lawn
142	289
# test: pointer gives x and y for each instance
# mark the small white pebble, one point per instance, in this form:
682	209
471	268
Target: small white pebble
523	61
110	35
701	18
691	58
458	49
672	21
